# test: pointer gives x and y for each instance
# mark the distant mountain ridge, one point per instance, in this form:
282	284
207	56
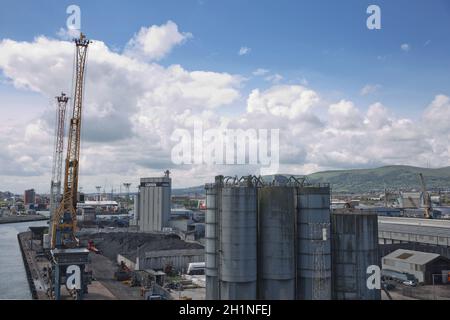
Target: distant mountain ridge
366	180
392	177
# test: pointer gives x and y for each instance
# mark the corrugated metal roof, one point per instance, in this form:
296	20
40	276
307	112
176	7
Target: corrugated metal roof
424	227
410	256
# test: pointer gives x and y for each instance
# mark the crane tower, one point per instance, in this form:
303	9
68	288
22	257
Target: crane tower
68	259
55	188
63	228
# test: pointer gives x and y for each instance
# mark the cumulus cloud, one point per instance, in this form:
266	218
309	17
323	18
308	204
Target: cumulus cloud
132	107
127	118
344	115
155	42
287	101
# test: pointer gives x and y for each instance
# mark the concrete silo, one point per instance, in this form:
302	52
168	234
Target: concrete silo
276	243
313	243
211	241
355	248
238	241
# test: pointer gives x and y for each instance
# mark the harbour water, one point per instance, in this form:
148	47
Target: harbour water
13	279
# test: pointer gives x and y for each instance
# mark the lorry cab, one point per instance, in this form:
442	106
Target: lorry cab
196	268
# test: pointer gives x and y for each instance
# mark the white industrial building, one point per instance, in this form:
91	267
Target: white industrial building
411	200
423	266
153	203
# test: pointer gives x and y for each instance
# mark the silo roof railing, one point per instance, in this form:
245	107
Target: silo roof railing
265	181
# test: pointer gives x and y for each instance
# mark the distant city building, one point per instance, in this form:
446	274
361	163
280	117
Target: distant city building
88	214
29	197
153	208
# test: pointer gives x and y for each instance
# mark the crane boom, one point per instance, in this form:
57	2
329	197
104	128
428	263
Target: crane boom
64	223
55	187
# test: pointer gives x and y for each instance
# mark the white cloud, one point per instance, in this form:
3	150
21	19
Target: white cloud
437	114
155	42
274	78
344	115
378	116
370	89
260	72
244	51
133	106
284	101
405	47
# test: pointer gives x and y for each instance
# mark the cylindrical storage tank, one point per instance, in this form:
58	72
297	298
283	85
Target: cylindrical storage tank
238	256
313	243
276	252
211	240
355	248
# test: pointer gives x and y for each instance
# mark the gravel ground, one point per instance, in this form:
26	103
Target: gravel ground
103	271
113	243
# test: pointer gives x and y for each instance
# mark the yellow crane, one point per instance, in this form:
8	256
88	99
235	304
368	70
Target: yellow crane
428	214
65	217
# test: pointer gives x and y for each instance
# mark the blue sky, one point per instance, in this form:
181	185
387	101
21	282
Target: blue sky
321	51
325	42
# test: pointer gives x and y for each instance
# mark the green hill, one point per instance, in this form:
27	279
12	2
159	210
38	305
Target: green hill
367	180
393	177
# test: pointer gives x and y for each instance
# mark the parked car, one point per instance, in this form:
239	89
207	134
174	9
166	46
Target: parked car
410	283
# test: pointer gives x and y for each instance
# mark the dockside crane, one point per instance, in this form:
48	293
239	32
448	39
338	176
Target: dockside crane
428	214
55	187
64	222
69	260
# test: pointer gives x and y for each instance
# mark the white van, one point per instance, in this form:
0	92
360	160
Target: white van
196	268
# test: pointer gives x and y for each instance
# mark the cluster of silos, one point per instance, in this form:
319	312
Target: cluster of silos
267	239
355	248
